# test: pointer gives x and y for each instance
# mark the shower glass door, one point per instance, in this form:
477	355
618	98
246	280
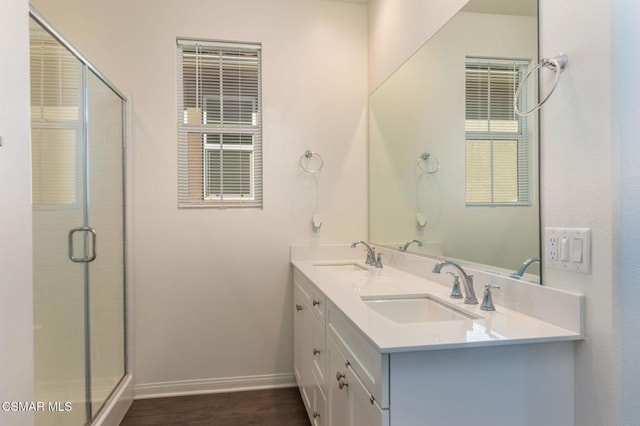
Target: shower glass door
78	233
106	272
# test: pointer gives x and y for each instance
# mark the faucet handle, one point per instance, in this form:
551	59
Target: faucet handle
487	300
371	256
455	290
379	261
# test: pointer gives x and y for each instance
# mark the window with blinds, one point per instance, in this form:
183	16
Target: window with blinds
497	140
219	124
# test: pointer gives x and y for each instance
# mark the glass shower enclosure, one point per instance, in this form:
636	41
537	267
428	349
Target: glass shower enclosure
77	143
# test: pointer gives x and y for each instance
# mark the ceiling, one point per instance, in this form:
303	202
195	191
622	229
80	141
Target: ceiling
352	1
497	7
503	7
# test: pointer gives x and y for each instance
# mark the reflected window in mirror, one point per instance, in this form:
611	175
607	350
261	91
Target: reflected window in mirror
421	108
497	141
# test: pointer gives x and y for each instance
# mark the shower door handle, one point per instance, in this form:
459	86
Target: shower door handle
94	236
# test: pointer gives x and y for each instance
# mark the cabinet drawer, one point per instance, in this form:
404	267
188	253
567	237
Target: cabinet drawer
305	286
371	366
318	302
311	293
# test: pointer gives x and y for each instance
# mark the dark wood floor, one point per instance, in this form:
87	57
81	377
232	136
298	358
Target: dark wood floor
272	407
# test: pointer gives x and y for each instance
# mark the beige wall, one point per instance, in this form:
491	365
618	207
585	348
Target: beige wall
16	303
212	288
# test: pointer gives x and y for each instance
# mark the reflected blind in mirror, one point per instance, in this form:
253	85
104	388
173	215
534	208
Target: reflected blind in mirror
497	140
219	124
56	121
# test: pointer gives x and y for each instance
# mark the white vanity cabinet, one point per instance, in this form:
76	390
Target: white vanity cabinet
341	383
346	379
310	348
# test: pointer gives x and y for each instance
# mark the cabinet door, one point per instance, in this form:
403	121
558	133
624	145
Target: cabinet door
318	353
319	413
337	398
302	367
350	403
363	409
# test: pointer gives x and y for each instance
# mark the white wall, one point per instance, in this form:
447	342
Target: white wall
97	29
213	297
578	187
626	89
212	288
415	111
16	303
398	28
589	167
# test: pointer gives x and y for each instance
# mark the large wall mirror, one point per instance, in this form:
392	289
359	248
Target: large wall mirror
452	167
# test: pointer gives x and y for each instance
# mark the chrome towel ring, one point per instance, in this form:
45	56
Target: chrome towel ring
556	65
423	159
308	155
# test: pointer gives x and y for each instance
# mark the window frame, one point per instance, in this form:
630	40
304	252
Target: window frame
221	147
194	175
522	137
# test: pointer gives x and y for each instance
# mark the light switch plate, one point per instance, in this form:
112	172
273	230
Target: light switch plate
576	249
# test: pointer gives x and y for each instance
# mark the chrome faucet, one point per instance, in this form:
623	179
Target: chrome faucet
407	244
524	266
469	294
371	253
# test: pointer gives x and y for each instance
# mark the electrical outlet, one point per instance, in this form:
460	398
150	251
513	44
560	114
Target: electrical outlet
568	249
552	247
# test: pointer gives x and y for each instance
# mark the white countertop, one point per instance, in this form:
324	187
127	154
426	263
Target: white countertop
345	289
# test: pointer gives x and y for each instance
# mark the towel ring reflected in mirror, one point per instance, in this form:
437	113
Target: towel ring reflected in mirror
423	163
307	156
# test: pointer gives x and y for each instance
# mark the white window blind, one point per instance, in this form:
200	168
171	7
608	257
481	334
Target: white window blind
219	124
56	121
497	140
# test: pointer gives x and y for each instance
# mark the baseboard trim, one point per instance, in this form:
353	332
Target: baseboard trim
216	385
116	406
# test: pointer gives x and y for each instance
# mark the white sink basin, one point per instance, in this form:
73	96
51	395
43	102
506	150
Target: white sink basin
341	266
415	309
